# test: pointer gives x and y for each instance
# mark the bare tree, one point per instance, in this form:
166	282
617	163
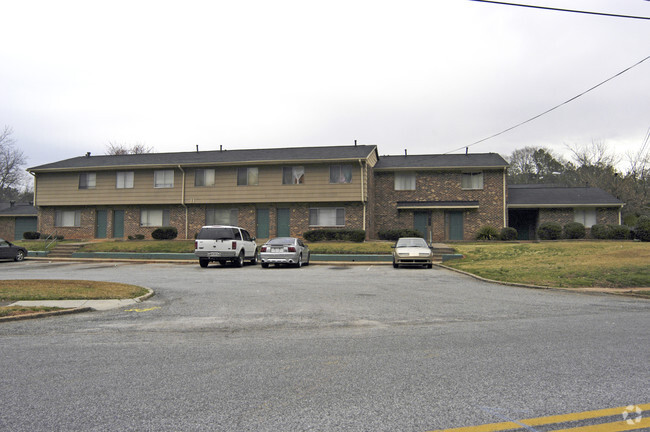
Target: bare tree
124	149
596	154
534	165
11	162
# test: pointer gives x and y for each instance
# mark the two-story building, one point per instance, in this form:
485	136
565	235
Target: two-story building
287	191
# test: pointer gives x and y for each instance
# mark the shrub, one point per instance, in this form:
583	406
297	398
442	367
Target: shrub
394	234
630	219
138	237
574	230
601	232
620	232
317	235
487	233
164	233
642	230
549	231
508	234
31	235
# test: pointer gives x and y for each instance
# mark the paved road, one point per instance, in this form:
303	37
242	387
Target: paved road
322	348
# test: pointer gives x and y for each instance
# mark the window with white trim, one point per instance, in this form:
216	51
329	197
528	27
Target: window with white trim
204	177
247	176
293	175
154	217
67	218
472	180
124	180
404	181
163	179
585	216
87	180
221	216
340	173
327	216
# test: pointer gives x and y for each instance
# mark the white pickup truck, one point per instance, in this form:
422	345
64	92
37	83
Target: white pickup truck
225	243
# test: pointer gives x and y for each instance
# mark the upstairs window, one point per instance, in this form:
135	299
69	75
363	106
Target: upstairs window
472	180
247	176
163	179
67	218
328	216
87	180
340	173
154	217
221	216
124	180
204	177
293	175
404	181
585	216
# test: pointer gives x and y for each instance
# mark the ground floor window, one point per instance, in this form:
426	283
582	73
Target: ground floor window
585	216
327	216
67	218
154	217
222	216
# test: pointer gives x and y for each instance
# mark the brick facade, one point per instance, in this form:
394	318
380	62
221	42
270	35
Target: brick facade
7	228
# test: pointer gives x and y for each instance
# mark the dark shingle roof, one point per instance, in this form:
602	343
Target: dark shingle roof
472	160
18	209
551	195
212	157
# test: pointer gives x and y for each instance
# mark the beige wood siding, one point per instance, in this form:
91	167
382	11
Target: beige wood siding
63	189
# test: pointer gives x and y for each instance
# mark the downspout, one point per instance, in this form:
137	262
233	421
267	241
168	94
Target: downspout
505	199
363	200
38	219
187	222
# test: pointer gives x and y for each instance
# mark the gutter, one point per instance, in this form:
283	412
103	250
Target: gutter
363	200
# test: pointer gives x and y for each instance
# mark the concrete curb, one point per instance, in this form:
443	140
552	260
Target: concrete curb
45	314
521	285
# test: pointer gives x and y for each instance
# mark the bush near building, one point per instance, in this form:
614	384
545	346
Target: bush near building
574	230
549	231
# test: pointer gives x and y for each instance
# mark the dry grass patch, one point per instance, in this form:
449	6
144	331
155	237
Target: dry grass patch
568	264
8	311
39	289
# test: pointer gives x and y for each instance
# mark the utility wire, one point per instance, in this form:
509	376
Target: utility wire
563	10
551	109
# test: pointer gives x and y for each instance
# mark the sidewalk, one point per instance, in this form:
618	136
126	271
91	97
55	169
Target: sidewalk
99	305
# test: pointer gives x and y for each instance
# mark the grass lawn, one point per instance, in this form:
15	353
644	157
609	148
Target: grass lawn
566	264
55	289
8	311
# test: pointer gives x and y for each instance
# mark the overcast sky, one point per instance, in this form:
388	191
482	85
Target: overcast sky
428	76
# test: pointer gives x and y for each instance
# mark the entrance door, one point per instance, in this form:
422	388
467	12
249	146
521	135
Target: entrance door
102	222
118	223
24	224
283	223
421	223
263	223
455	225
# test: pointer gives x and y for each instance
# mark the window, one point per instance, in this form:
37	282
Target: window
67	218
404	181
329	216
163	179
204	177
293	175
154	217
124	180
340	173
472	180
221	216
585	216
247	177
87	180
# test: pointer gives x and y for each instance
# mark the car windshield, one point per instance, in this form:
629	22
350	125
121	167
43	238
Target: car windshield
282	241
216	234
411	242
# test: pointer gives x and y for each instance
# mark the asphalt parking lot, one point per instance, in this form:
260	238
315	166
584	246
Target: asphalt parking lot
318	348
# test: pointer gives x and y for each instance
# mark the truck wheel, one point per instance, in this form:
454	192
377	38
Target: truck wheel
255	257
239	262
265	265
203	262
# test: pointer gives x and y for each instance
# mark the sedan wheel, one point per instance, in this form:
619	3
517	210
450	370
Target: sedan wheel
299	263
395	265
19	256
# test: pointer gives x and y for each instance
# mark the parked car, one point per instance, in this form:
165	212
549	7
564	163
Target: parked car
284	250
225	243
412	251
9	250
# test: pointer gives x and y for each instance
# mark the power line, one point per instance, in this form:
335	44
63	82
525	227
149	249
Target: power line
551	109
563	10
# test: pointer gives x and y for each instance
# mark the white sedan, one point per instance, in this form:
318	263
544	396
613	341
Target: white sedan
412	251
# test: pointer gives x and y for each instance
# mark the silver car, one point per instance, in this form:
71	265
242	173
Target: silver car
284	250
412	251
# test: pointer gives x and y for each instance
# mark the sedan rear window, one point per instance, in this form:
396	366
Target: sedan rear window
217	234
282	241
